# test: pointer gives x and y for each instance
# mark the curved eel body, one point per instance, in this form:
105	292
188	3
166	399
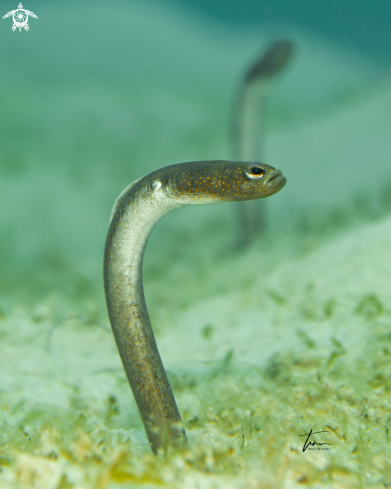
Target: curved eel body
248	127
135	213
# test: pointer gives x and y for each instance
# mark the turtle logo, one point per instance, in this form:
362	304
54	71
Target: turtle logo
21	17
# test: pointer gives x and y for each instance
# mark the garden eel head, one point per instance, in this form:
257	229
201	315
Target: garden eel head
271	62
222	181
205	182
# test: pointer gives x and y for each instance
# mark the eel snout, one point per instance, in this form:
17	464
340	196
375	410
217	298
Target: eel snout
275	179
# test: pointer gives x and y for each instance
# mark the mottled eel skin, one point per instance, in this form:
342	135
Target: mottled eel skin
135	213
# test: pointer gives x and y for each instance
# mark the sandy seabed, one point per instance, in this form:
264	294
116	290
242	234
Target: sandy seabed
306	346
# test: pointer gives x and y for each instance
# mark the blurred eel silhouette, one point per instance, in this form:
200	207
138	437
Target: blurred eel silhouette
248	129
134	214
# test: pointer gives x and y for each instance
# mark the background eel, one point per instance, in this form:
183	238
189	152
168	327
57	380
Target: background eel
248	128
135	213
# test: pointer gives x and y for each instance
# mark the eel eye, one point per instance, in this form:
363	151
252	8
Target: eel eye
255	172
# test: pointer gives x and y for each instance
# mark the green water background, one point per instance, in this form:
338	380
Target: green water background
96	95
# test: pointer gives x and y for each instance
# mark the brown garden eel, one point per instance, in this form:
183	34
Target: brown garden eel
248	128
135	213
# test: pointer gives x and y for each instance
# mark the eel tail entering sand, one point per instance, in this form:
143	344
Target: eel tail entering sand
135	213
248	129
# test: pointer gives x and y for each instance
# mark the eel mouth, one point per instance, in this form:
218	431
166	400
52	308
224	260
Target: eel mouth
276	179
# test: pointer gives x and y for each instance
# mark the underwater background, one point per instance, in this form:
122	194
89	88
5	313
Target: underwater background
260	344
